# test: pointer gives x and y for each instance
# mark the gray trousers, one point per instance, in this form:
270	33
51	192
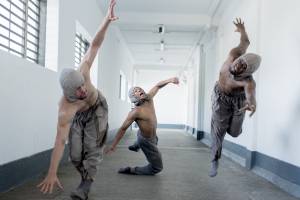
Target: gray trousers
153	155
225	118
87	137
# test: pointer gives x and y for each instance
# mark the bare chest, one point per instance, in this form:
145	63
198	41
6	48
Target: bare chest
89	101
147	113
227	82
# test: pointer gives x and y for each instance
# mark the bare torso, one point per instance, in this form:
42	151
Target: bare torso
226	80
92	95
146	119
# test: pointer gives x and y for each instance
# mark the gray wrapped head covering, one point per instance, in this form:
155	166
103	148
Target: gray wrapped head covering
134	99
252	61
70	80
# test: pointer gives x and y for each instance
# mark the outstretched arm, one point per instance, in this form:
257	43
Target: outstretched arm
244	41
51	179
129	120
160	85
91	53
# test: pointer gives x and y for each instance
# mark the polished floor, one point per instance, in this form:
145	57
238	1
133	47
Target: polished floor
185	176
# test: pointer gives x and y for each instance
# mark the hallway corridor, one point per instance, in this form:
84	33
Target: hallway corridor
186	164
77	71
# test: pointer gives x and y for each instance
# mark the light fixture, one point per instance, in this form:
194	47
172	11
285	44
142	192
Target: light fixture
161	29
161	60
162	45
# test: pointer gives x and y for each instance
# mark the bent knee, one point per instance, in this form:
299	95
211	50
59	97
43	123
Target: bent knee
235	132
157	168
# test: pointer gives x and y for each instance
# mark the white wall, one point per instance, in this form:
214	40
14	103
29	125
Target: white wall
29	97
278	122
275	36
211	72
30	93
170	101
192	81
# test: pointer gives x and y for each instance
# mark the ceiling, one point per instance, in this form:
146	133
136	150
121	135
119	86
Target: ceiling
183	20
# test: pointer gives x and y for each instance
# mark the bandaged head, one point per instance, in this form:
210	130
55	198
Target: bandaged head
252	61
136	100
70	80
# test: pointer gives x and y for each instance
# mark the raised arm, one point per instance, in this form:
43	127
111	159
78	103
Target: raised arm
92	51
160	85
244	41
51	179
129	120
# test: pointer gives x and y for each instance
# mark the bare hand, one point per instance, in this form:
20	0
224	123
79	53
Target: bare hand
239	25
47	185
110	13
175	80
249	107
109	150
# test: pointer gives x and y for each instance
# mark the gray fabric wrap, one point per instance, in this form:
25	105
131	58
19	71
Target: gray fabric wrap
134	99
153	155
252	61
70	80
226	117
87	136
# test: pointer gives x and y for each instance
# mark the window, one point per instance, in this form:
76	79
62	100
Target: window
81	46
129	86
20	28
122	86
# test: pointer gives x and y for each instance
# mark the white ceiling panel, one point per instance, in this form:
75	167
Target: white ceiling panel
183	21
